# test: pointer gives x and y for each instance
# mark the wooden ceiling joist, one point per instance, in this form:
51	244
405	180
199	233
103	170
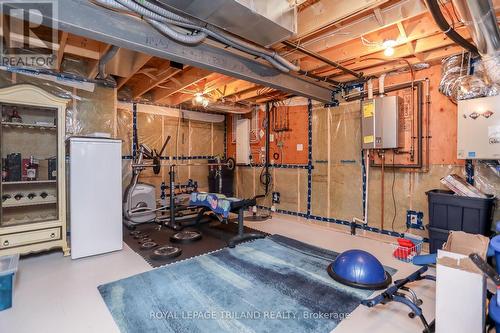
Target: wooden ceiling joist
209	87
420	48
162	74
60	51
390	15
182	81
137	67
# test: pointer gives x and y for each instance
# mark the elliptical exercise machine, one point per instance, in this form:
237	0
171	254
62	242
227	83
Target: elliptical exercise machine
139	200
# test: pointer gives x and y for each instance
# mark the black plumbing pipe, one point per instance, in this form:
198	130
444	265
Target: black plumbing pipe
323	59
441	22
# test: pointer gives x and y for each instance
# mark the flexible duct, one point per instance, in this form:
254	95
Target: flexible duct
219	32
159	18
175	35
480	18
104	60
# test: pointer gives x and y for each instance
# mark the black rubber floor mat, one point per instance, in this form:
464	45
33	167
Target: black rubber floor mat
215	236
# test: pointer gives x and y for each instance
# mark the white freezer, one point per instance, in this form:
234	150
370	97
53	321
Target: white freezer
95	192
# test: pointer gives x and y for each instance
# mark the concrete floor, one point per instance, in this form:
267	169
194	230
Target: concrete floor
56	294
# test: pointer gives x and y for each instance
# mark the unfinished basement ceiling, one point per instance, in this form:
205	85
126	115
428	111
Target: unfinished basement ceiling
350	33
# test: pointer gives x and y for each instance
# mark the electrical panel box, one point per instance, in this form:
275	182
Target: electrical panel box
380	122
478	132
243	141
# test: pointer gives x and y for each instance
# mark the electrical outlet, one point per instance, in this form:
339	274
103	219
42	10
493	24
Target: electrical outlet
414	220
276	197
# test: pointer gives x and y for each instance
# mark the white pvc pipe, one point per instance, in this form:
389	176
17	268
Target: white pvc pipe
381	84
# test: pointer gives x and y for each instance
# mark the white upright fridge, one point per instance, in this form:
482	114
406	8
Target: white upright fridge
95	192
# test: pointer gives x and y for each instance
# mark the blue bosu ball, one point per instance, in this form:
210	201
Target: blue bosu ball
359	269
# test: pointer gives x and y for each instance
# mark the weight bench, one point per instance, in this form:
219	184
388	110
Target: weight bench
221	206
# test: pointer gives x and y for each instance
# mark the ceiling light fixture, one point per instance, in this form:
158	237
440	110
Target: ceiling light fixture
388	46
200	100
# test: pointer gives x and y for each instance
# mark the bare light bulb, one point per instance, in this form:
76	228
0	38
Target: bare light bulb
389	52
198	98
389	47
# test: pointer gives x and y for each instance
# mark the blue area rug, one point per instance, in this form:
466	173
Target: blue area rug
269	285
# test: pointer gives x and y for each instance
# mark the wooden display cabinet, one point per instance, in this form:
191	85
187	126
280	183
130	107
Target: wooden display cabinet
33	206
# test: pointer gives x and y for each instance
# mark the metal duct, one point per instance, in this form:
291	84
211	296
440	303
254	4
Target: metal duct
480	19
261	21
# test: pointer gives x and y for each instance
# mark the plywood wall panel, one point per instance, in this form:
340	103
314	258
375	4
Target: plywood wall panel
298	134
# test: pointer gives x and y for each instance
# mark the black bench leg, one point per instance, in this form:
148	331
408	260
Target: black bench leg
242	236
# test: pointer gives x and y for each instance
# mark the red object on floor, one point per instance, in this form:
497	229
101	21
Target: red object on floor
405	248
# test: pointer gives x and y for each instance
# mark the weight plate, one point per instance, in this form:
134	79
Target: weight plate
166	252
141	235
257	218
185	237
144	240
230	163
148	245
157	165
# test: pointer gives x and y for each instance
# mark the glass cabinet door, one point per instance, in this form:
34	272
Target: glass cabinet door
28	146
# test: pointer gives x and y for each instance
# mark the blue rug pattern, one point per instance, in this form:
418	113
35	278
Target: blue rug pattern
269	285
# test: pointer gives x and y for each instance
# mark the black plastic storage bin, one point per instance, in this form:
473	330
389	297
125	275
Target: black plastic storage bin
448	211
437	237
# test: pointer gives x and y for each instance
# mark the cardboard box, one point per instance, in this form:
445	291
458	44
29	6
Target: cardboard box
460	285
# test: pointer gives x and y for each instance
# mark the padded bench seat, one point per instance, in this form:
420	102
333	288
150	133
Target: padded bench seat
221	205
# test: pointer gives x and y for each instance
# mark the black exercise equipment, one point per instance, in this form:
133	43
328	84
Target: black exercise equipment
399	292
256	217
239	208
